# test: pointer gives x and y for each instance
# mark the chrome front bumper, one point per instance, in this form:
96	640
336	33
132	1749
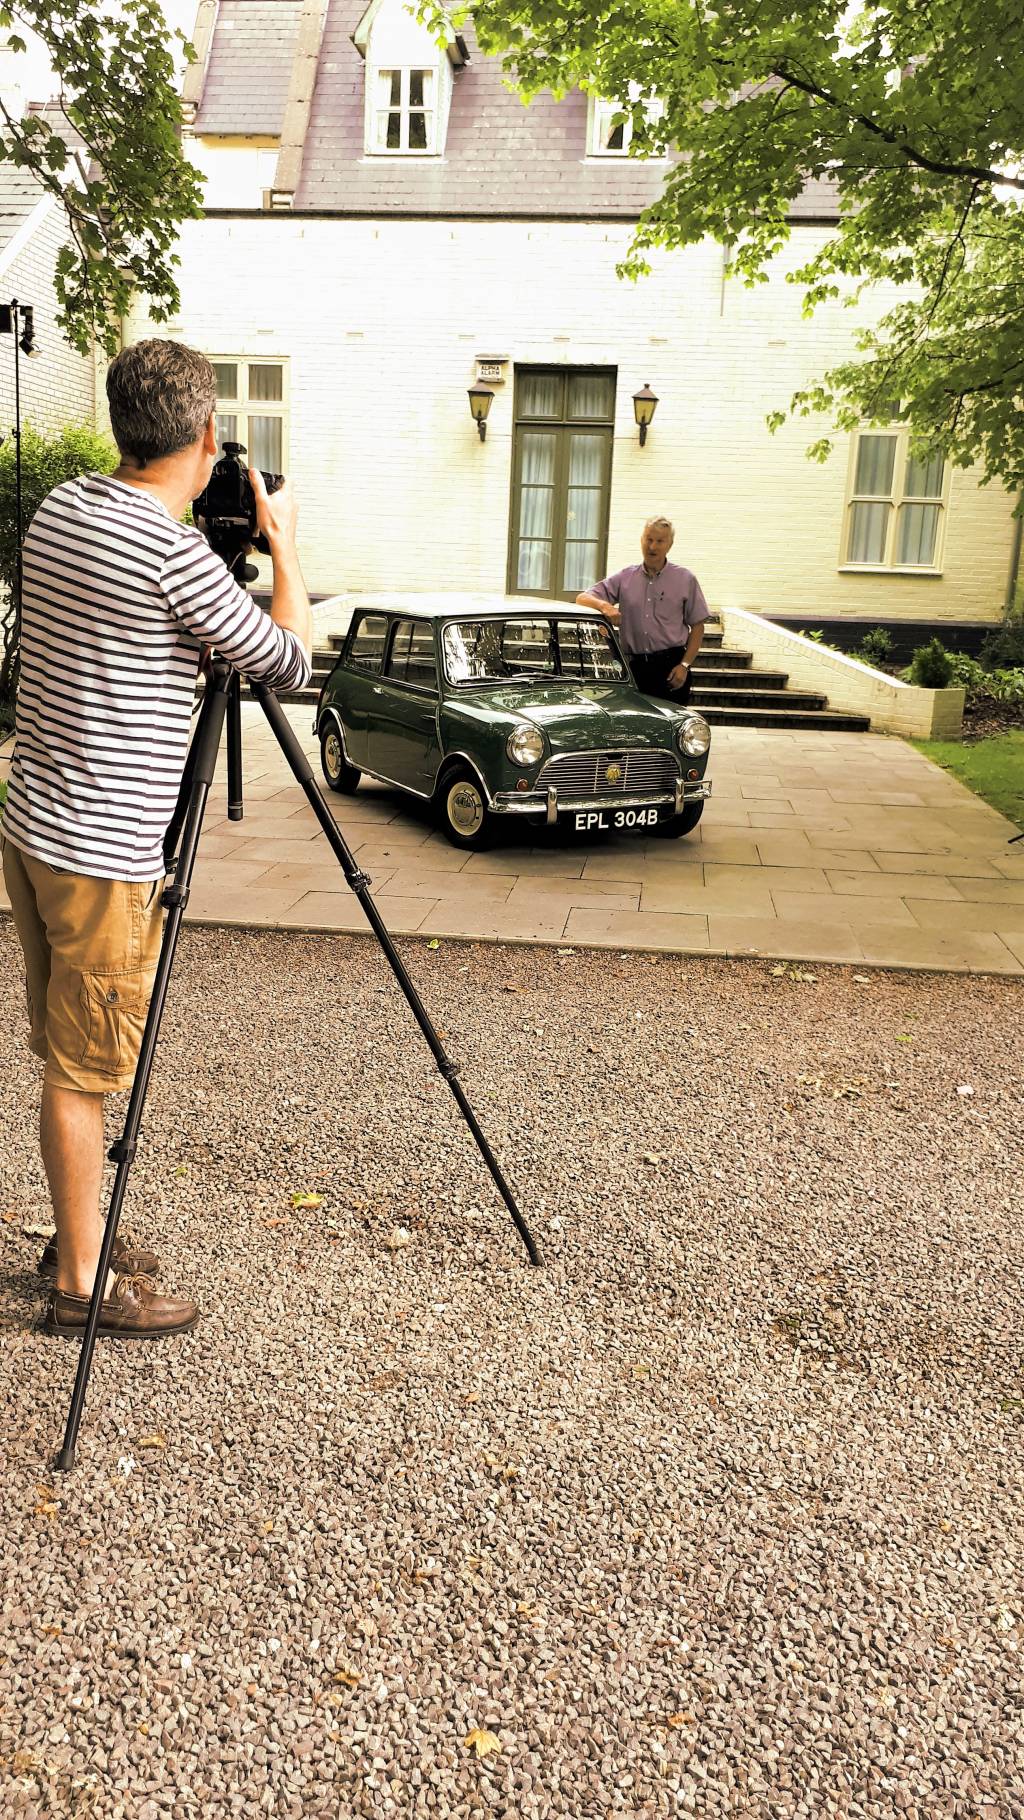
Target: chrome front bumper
549	805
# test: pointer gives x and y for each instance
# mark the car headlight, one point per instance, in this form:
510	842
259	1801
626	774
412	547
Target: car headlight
694	736
525	746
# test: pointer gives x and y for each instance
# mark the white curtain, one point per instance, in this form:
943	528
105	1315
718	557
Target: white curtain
583	510
875	458
868	526
592	395
917	530
536	509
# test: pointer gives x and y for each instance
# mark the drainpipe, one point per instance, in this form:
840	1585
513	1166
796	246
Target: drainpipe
1011	579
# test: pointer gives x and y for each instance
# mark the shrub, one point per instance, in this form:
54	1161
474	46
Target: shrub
45	462
876	647
1003	649
1007	685
931	666
968	672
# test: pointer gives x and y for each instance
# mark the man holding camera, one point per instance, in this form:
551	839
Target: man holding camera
119	597
660	611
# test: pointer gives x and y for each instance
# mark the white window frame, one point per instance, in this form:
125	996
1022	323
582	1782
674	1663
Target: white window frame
601	111
243	407
896	497
374	110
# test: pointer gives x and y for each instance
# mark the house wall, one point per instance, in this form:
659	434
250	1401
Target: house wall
380	322
58	387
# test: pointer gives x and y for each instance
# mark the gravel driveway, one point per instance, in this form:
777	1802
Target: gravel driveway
719	1513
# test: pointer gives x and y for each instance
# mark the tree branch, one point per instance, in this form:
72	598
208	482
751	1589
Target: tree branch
981	173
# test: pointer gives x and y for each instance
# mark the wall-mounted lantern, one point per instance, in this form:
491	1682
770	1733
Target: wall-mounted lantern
644	406
481	398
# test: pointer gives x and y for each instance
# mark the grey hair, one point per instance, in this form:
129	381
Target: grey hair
660	524
160	395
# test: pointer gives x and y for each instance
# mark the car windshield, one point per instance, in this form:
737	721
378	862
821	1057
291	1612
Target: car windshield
528	649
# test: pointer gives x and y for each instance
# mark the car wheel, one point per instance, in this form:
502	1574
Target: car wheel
462	809
340	775
678	825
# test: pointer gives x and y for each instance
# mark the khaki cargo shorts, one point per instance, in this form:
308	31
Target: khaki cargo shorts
91	947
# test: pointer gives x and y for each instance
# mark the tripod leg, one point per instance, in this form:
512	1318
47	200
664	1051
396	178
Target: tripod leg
234	747
205	744
360	884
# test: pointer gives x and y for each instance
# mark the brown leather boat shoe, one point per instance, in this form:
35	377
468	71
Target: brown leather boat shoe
128	1256
132	1311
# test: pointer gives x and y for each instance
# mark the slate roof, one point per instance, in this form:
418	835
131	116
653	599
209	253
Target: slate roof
19	193
250	65
53	114
500	158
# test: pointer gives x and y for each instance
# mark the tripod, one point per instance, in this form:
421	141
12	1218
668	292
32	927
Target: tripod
221	700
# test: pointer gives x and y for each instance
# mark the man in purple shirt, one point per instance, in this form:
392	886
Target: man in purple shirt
660	611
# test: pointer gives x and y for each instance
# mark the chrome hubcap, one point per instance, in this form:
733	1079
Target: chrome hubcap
465	808
332	755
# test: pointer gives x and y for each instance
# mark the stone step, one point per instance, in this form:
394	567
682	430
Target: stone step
826	720
753	697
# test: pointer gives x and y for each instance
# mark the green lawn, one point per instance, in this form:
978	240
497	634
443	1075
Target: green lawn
993	769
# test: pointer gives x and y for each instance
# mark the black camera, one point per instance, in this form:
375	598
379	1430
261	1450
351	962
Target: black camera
227	504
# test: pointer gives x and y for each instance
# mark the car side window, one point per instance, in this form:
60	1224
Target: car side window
398	656
366	651
412	654
422	663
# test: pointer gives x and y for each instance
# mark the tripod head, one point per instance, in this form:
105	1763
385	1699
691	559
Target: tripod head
227	506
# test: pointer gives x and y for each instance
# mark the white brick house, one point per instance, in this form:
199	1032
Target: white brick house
382	215
58	386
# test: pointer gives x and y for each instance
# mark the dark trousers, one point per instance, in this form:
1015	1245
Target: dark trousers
650	672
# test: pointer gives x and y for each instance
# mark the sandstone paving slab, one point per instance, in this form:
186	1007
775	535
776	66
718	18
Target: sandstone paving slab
239	906
969	914
984	890
743	897
612	894
965	951
321	910
640	929
943	865
783	938
879	885
327	875
805	879
455	887
796	849
566	864
853	912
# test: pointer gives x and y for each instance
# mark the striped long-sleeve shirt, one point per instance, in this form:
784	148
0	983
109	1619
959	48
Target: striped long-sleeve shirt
117	599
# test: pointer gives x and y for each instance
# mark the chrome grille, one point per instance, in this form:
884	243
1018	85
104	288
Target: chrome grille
585	773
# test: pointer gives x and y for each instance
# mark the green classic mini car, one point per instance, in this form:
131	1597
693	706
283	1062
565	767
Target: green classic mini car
525	716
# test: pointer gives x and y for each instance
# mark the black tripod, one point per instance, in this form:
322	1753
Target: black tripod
221	700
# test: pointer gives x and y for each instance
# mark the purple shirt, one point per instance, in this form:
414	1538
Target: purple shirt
656	611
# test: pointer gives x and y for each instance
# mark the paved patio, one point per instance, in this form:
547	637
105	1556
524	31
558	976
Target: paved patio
814	847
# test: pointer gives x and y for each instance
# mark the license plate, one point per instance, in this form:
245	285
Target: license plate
594	821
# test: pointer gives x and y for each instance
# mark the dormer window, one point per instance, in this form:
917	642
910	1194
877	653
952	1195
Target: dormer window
409	78
405	111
